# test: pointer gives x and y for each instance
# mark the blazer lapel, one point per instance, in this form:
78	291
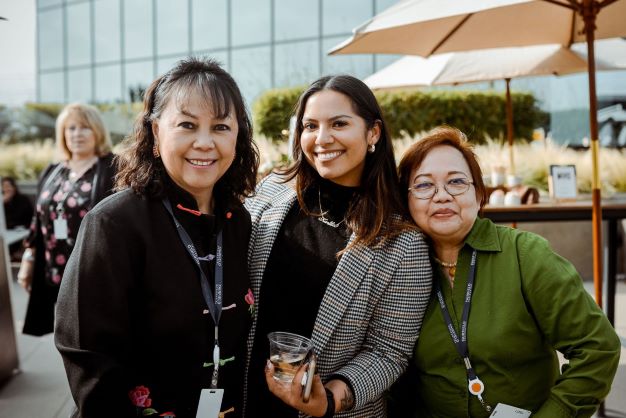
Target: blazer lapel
351	271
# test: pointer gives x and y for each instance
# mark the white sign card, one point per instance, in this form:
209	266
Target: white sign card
562	182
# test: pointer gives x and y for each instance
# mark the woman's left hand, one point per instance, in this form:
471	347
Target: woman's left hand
291	393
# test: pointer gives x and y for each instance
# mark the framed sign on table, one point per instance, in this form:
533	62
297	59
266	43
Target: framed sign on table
562	182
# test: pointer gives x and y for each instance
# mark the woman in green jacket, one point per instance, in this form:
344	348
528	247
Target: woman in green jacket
526	303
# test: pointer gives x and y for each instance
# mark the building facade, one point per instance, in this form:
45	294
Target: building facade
99	51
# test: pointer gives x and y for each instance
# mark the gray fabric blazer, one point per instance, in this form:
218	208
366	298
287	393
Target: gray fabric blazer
371	313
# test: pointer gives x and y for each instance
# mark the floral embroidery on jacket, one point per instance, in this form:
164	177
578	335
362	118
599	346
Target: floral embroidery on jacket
249	298
140	398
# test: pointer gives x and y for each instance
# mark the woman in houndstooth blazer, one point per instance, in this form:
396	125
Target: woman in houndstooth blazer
330	258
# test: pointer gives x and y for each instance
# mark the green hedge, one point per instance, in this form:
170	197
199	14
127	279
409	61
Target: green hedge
478	114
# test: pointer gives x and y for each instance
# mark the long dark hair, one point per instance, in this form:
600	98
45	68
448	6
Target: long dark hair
140	170
371	214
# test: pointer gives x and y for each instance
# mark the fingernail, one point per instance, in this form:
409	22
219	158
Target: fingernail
268	365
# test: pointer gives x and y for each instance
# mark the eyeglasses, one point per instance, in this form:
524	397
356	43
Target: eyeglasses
427	189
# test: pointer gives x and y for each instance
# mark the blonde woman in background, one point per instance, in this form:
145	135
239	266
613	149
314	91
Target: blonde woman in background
66	192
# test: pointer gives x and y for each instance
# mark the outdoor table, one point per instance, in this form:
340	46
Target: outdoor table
613	210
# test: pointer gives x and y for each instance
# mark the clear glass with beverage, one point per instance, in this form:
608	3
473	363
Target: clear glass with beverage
287	353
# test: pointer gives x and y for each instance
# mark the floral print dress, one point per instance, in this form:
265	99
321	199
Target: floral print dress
61	198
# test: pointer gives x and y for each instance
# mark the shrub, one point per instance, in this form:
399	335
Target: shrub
478	114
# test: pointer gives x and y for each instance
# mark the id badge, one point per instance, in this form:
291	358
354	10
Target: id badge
60	228
210	403
503	410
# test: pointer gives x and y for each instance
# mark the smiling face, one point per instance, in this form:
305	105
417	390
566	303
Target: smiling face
80	138
335	139
445	218
196	147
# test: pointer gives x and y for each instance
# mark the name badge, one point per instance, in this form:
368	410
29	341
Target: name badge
60	228
503	410
210	403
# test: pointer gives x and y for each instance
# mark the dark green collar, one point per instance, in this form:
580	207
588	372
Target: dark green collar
483	236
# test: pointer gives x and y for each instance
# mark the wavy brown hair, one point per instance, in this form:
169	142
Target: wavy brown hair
142	172
373	214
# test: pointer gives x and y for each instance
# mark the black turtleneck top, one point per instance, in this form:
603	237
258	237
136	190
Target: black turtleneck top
300	266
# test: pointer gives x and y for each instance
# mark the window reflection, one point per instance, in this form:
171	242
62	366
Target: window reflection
342	16
296	19
296	63
50	39
137	76
79	86
138	28
251	21
78	34
357	65
108	84
251	69
51	88
172	28
209	24
107	30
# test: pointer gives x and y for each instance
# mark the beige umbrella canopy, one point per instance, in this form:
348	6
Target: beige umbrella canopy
425	27
491	64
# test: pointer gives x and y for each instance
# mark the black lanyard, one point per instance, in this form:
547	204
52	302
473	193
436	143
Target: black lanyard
475	385
213	303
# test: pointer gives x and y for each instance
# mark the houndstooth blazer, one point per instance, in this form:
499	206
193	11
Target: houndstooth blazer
371	313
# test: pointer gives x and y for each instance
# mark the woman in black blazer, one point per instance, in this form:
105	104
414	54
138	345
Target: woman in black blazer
154	305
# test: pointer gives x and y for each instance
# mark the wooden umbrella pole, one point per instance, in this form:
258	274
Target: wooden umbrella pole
509	124
589	16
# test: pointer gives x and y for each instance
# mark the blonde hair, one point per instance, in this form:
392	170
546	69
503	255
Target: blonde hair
90	117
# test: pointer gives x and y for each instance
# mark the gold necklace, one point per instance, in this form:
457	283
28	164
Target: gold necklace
450	266
322	217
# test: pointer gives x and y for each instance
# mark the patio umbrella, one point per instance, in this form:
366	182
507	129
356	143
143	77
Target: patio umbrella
425	27
486	65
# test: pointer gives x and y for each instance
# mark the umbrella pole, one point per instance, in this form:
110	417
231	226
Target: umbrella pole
589	17
509	124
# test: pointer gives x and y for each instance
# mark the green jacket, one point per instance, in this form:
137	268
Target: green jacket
527	302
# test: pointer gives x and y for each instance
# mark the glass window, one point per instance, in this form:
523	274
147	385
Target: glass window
78	34
51	88
251	69
209	24
358	65
108	84
296	63
51	39
343	16
79	86
46	3
172	27
138	40
251	21
107	30
296	19
382	5
138	76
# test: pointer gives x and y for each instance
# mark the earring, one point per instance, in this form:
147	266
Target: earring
371	148
155	151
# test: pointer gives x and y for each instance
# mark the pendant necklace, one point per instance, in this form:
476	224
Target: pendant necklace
322	217
450	266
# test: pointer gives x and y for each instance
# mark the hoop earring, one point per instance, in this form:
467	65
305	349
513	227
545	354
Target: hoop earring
155	151
371	148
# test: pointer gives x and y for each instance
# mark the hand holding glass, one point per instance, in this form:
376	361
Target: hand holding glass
287	353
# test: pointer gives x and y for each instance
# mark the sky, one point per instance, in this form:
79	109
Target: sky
17	52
